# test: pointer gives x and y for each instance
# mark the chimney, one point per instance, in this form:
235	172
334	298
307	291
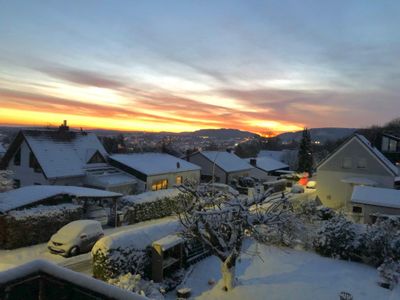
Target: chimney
178	165
64	126
253	162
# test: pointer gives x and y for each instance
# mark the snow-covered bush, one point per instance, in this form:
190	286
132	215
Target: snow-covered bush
121	261
311	211
337	238
389	272
36	225
381	241
129	251
6	180
150	205
281	233
135	283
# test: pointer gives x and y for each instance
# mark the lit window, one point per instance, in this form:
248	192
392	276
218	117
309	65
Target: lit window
178	180
361	163
159	185
392	145
347	163
357	209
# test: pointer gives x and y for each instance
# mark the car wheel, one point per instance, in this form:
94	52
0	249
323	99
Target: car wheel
73	251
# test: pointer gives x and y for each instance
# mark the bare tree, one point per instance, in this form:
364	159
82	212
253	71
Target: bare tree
221	220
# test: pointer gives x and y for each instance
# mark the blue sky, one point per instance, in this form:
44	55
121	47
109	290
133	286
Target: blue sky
179	65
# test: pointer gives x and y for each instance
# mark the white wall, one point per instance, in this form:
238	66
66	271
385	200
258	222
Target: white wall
207	167
25	174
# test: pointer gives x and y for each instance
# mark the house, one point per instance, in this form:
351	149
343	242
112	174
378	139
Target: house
390	147
63	157
225	166
41	279
2	151
265	167
355	162
286	156
156	171
368	202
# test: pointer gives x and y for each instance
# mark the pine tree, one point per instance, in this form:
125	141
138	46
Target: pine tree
305	159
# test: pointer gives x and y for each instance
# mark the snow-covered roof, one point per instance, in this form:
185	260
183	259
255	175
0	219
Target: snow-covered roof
63	153
30	194
168	241
108	177
139	238
154	163
268	163
227	161
78	279
376	196
151	196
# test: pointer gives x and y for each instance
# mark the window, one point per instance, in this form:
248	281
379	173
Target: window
97	158
17	183
35	183
347	163
361	163
357	209
385	144
178	180
33	163
392	145
159	185
17	158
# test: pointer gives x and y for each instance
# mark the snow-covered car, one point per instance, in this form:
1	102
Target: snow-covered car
311	184
75	238
297	189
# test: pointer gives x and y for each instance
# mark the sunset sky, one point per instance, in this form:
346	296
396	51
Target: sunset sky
184	65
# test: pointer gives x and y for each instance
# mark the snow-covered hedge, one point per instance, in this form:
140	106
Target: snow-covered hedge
337	238
128	251
150	205
35	225
381	241
311	211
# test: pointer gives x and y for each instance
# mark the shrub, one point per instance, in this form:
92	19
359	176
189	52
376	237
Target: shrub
381	241
389	272
337	238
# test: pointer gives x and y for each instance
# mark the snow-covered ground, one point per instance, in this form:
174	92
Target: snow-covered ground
286	274
80	263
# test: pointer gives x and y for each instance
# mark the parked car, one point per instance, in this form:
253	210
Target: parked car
75	238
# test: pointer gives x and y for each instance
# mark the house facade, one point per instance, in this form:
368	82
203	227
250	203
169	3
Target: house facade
369	202
156	171
224	166
354	163
63	157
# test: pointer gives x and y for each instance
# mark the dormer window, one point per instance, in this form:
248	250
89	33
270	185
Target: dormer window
97	158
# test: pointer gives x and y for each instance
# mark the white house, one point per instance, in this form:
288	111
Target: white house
356	162
156	171
63	157
225	166
368	202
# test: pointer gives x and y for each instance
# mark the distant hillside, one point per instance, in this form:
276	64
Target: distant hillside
319	134
222	133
